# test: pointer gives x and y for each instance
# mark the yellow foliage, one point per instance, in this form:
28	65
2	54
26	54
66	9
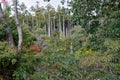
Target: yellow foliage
84	52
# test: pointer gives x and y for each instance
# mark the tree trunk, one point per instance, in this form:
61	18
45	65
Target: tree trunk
32	21
60	29
68	27
63	27
54	23
18	26
7	28
49	25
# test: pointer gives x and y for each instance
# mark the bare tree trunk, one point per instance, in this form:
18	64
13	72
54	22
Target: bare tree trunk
49	25
68	27
66	32
60	28
54	23
63	26
32	21
18	26
7	28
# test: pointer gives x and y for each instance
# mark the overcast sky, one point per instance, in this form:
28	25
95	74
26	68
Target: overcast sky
30	3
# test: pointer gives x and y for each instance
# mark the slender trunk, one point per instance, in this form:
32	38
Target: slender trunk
68	27
63	26
60	31
23	21
49	25
46	27
54	23
18	26
32	21
7	28
37	22
66	31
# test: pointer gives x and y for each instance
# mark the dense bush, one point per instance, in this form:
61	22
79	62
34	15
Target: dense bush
86	65
26	66
8	60
57	66
57	62
14	65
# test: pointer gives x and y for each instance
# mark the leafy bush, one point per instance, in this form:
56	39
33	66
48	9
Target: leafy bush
28	38
57	66
78	37
26	66
89	65
56	45
14	65
8	60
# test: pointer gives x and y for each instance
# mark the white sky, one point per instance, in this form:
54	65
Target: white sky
30	3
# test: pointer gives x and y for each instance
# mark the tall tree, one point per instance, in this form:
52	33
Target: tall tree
63	21
60	25
50	11
100	19
18	26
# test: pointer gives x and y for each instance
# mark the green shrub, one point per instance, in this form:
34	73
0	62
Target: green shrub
56	45
14	65
27	63
28	38
8	60
57	66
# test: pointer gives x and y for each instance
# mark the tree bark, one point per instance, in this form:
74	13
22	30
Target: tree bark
18	26
60	27
7	28
54	23
63	26
49	26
